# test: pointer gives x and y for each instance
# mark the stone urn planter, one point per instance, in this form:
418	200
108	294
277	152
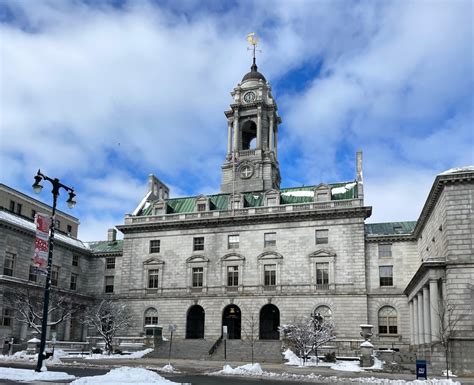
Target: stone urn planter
366	347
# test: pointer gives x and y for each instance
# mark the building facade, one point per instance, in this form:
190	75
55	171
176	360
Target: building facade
256	251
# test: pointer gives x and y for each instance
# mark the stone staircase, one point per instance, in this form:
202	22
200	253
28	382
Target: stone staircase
237	350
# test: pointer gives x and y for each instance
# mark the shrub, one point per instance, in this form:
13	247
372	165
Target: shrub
330	357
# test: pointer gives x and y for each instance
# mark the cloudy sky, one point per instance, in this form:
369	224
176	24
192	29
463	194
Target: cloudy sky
102	93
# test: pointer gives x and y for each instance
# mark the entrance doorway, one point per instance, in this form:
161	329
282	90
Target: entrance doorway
231	317
195	322
269	322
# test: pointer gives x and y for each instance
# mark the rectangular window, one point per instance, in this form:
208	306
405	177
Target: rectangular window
73	283
33	275
7	317
33	214
269	276
54	276
269	239
386	275
198	243
322	274
69	229
233	242
153	278
75	260
155	246
151	320
232	275
12	206
322	236
18	208
9	264
109	284
198	274
110	263
385	250
201	207
57	224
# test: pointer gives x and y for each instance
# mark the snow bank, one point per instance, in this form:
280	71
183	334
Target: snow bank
131	356
125	375
29	375
169	369
386	381
347	366
249	370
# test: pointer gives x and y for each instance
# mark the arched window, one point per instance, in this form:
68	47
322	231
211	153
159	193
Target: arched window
249	133
324	311
388	320
151	316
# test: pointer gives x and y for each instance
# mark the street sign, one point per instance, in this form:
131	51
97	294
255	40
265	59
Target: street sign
224	332
172	328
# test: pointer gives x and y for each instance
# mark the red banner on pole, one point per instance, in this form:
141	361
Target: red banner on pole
40	257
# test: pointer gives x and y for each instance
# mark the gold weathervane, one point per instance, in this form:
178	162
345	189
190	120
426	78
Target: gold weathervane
253	40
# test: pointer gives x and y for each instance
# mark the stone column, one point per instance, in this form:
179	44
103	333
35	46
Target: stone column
271	135
259	128
84	333
426	314
236	131
229	138
412	322
276	141
434	310
23	331
48	332
421	330
415	320
67	329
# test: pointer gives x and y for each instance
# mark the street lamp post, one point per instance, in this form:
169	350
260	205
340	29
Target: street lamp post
37	187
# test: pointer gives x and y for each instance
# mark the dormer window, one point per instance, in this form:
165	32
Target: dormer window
202	204
322	193
272	198
235	202
159	208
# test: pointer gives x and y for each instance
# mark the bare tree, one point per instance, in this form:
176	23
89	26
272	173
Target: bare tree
107	318
29	307
307	334
448	316
250	331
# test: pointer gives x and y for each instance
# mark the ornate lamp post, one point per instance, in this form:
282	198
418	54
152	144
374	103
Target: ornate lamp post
37	187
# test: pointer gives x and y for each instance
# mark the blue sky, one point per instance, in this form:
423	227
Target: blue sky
102	93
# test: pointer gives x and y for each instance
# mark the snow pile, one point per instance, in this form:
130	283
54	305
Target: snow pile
343	189
458	169
169	369
347	366
29	375
386	381
249	370
449	372
291	357
299	193
131	356
125	375
19	356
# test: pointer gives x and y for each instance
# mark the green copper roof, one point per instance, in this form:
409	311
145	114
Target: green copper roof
106	246
390	228
294	195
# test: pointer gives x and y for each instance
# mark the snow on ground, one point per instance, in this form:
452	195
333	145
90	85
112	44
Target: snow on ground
168	369
131	356
450	373
249	369
125	375
29	375
23	356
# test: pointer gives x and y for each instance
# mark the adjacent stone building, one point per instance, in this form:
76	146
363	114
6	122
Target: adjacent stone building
256	251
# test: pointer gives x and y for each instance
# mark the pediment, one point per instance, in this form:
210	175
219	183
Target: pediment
322	186
201	198
272	192
197	259
233	257
322	253
270	255
153	261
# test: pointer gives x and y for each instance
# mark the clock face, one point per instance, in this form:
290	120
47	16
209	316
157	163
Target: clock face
249	96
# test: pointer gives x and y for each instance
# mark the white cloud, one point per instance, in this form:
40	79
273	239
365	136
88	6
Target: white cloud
101	96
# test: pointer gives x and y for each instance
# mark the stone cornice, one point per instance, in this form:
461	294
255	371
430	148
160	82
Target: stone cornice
435	192
288	216
425	266
375	238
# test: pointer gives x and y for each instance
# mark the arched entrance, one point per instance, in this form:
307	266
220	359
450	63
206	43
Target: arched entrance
195	322
231	317
269	322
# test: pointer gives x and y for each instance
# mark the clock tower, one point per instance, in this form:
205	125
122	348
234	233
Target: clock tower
251	163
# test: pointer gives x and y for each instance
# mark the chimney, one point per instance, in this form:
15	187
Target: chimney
111	235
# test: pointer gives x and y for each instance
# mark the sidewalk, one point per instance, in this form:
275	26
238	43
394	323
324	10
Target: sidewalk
201	367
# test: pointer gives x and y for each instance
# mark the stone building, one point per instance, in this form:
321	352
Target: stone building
256	251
